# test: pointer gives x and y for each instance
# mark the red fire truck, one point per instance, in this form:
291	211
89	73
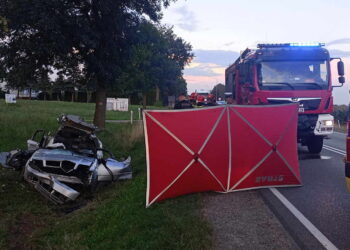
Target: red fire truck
286	73
347	157
202	98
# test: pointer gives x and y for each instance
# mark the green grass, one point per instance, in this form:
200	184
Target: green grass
24	117
116	218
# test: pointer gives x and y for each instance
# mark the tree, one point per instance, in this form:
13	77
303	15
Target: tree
340	113
155	61
219	91
92	35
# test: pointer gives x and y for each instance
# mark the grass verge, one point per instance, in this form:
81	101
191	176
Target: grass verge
116	218
341	129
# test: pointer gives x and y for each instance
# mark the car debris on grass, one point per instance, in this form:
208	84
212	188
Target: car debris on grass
71	161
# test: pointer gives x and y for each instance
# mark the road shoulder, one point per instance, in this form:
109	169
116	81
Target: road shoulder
242	220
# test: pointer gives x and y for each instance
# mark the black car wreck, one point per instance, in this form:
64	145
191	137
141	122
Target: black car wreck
67	163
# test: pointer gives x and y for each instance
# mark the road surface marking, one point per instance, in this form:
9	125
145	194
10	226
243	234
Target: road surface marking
341	133
335	150
309	226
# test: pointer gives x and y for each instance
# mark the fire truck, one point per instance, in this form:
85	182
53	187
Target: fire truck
202	98
347	156
287	73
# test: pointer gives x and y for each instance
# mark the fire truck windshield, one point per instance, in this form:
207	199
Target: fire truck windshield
293	75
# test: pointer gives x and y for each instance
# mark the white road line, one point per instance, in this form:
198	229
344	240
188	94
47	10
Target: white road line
335	150
309	226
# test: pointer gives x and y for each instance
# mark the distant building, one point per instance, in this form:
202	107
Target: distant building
25	93
3	86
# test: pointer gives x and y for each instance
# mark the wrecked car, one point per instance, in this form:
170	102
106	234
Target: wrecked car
71	161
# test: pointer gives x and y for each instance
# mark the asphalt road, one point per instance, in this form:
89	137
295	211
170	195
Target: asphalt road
323	199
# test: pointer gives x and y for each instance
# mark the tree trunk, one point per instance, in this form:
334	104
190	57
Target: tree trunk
157	94
144	100
30	93
100	108
73	96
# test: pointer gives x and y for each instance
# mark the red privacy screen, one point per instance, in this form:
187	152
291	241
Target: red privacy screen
222	149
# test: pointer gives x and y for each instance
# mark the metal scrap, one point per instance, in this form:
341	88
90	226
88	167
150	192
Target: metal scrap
71	161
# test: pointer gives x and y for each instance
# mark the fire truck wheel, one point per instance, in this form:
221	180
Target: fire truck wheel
315	144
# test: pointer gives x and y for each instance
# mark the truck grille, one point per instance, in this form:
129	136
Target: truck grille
306	103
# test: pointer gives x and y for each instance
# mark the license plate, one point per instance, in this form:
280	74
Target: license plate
301	110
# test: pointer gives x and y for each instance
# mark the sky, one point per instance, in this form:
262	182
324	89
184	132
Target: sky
219	30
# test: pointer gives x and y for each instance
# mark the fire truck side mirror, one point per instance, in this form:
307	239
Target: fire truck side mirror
341	79
340	66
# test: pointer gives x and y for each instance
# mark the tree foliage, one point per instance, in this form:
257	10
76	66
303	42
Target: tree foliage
340	113
219	90
92	36
156	60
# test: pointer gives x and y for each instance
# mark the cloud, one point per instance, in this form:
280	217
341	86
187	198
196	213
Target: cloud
202	82
229	44
339	41
208	68
210	62
219	57
204	69
200	79
203	76
187	19
339	53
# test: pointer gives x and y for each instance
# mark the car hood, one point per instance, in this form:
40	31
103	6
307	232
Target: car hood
62	155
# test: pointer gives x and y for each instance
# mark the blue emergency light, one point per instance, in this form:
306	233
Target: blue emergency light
307	44
281	45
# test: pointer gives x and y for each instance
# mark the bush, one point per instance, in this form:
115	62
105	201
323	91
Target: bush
2	94
340	112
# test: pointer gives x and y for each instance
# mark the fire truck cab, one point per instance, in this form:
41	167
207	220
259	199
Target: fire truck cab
202	98
287	73
347	156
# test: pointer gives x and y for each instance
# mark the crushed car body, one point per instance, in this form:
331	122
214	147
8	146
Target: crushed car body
71	160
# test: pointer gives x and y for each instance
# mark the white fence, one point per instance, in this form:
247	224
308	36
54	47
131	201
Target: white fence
117	104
